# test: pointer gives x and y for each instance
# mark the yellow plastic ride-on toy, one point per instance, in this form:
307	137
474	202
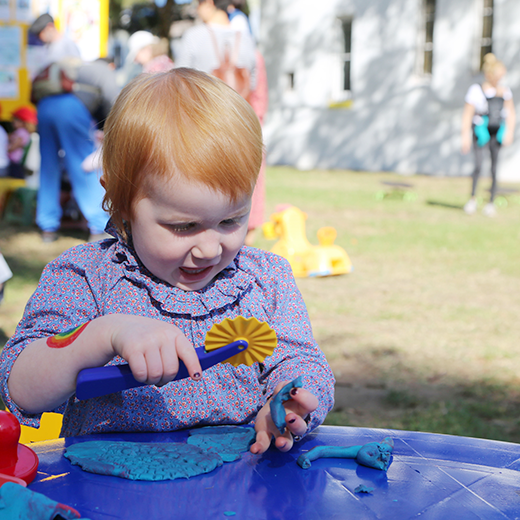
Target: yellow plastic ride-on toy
306	259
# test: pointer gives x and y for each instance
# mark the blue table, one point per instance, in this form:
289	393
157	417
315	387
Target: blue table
431	477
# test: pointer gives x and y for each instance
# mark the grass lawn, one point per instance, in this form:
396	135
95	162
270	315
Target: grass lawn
423	335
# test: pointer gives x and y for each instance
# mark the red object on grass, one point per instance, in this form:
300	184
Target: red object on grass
16	460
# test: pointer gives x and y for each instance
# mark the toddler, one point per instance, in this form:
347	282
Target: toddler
24	122
178	189
4	158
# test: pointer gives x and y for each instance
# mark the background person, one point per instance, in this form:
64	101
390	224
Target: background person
197	49
481	102
67	127
57	44
150	52
24	123
4	142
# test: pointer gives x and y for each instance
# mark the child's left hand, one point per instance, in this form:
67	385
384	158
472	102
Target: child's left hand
301	404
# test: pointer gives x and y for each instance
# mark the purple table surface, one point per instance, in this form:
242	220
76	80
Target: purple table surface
431	476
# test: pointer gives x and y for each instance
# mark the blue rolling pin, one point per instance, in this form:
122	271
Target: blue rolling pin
95	382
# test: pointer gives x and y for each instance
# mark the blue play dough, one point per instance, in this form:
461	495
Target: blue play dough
276	405
207	448
228	441
363	489
20	503
375	455
143	460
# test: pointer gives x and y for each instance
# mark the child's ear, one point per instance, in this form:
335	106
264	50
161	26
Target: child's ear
102	181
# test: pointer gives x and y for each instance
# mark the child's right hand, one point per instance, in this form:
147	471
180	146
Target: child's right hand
153	348
44	375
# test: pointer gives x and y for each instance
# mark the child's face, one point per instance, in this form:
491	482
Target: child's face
185	234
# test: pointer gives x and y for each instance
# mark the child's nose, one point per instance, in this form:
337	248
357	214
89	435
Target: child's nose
208	246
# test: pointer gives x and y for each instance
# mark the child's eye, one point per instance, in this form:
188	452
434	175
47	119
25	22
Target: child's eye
229	222
183	228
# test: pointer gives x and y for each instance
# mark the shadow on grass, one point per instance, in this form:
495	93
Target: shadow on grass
28	269
444	204
484	410
29	266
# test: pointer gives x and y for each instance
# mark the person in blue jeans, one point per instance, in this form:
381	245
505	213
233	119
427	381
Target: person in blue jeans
66	123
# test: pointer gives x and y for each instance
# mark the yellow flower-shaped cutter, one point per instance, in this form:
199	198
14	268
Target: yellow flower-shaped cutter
260	337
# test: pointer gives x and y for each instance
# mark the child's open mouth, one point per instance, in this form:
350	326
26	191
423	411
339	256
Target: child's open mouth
193	273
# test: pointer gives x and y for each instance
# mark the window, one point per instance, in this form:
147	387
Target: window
290	81
424	57
487	30
429	20
346	27
340	76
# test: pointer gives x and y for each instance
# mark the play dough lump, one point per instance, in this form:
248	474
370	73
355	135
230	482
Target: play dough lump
143	460
276	405
375	455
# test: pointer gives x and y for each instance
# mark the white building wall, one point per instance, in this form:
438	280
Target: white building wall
398	121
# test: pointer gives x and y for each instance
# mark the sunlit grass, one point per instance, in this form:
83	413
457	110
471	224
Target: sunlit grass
424	334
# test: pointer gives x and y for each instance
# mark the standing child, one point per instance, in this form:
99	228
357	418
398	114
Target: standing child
24	122
488	120
178	189
4	158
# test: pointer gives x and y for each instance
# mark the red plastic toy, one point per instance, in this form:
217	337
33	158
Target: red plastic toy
16	460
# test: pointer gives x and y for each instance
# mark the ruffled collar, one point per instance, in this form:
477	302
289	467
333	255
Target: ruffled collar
229	285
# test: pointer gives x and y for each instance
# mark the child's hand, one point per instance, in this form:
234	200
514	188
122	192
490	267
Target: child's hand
467	139
301	404
508	137
153	348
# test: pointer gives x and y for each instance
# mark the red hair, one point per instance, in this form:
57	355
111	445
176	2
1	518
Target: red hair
181	122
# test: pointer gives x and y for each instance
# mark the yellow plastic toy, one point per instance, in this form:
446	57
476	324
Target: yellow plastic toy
50	427
306	259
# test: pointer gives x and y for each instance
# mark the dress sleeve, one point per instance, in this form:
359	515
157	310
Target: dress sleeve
297	353
62	301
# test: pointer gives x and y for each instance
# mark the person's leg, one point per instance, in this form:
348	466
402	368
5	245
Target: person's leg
76	135
494	147
48	208
478	166
471	206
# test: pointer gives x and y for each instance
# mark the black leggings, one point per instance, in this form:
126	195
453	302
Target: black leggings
494	147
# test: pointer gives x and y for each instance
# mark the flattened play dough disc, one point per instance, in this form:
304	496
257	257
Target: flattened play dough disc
228	441
143	460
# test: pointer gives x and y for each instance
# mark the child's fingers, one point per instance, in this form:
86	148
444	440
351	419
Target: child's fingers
186	352
295	424
302	402
138	367
284	442
170	364
154	366
262	443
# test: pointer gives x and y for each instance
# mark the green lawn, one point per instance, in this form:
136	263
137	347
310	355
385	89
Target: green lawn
424	333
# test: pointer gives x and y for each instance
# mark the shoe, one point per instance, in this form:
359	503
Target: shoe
49	236
470	207
94	237
489	210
